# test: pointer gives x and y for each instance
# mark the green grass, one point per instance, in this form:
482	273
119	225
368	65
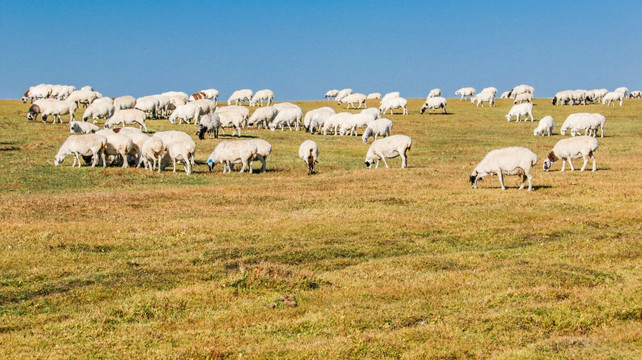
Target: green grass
387	263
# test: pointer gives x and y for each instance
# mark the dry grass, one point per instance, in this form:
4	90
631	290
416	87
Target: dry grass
385	263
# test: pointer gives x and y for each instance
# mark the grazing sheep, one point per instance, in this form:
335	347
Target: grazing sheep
263	150
563	97
41	91
584	121
331	94
83	96
353	122
186	112
390	95
210	123
545	126
573	148
333	122
491	89
233	152
466	91
231	119
205	106
611	97
394	103
81	127
434	93
309	153
505	95
245	112
127	117
56	108
240	96
287	105
520	89
389	147
149	105
637	94
352	99
622	90
507	161
138	138
483	97
176	97
119	144
124	102
82	145
265	94
314	119
523	98
372	111
152	153
518	110
37	107
182	151
432	104
381	127
343	93
286	116
262	116
373	96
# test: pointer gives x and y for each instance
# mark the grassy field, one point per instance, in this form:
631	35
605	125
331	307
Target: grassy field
387	263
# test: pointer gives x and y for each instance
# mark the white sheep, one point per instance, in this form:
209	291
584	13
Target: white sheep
491	89
483	97
119	144
182	151
205	106
611	97
373	96
390	95
138	138
81	127
434	93
262	116
352	99
240	96
331	94
381	127
265	94
352	123
505	95
520	89
507	161
584	121
287	105
518	110
394	103
314	119
434	103
231	119
343	93
545	125
563	97
37	107
573	148
309	153
148	104
152	153
523	98
127	117
389	147
82	145
56	108
41	91
622	90
124	102
244	111
233	152
177	137
466	91
287	116
210	123
176	97
263	150
185	113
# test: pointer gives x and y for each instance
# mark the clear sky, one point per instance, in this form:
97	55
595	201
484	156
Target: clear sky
301	49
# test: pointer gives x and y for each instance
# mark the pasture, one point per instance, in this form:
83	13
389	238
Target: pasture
386	263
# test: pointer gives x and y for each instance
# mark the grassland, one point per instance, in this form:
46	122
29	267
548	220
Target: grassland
387	263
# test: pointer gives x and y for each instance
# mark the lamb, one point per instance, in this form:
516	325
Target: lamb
482	97
309	153
563	97
314	119
525	109
390	95
264	115
127	117
523	98
287	105
611	97
265	94
231	119
80	127
186	112
434	93
233	152
466	91
389	147
82	145
124	102
573	148
545	126
152	153
331	94
119	144
394	103
373	96
56	108
381	127
240	96
434	104
343	93
286	116
263	150
148	104
352	99
507	161
209	124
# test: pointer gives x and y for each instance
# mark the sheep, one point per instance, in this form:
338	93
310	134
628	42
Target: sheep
381	127
233	152
83	96
309	153
186	112
434	93
182	151
545	126
505	95
599	94
331	94
482	97
622	90
434	104
231	119
611	97
578	97
264	115
573	148
491	89
119	144
103	99
372	111
56	108
314	119
584	121
637	94
80	127
343	93
82	145
152	153
286	116
521	109
37	107
466	91
124	102
209	124
138	138
373	96
41	91
523	97
390	95
176	137
520	89
211	94
563	97
205	106
389	147
148	104
353	122
265	94
263	150
65	91
287	105
176	97
352	99
127	117
245	112
507	161
394	103
333	121
240	96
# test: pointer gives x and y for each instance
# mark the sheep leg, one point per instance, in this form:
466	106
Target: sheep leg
501	179
244	162
384	161
404	159
530	182
570	163
125	163
75	159
174	162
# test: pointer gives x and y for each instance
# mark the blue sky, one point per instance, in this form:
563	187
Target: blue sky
301	49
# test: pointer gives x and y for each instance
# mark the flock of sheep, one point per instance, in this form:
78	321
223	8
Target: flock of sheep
131	145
